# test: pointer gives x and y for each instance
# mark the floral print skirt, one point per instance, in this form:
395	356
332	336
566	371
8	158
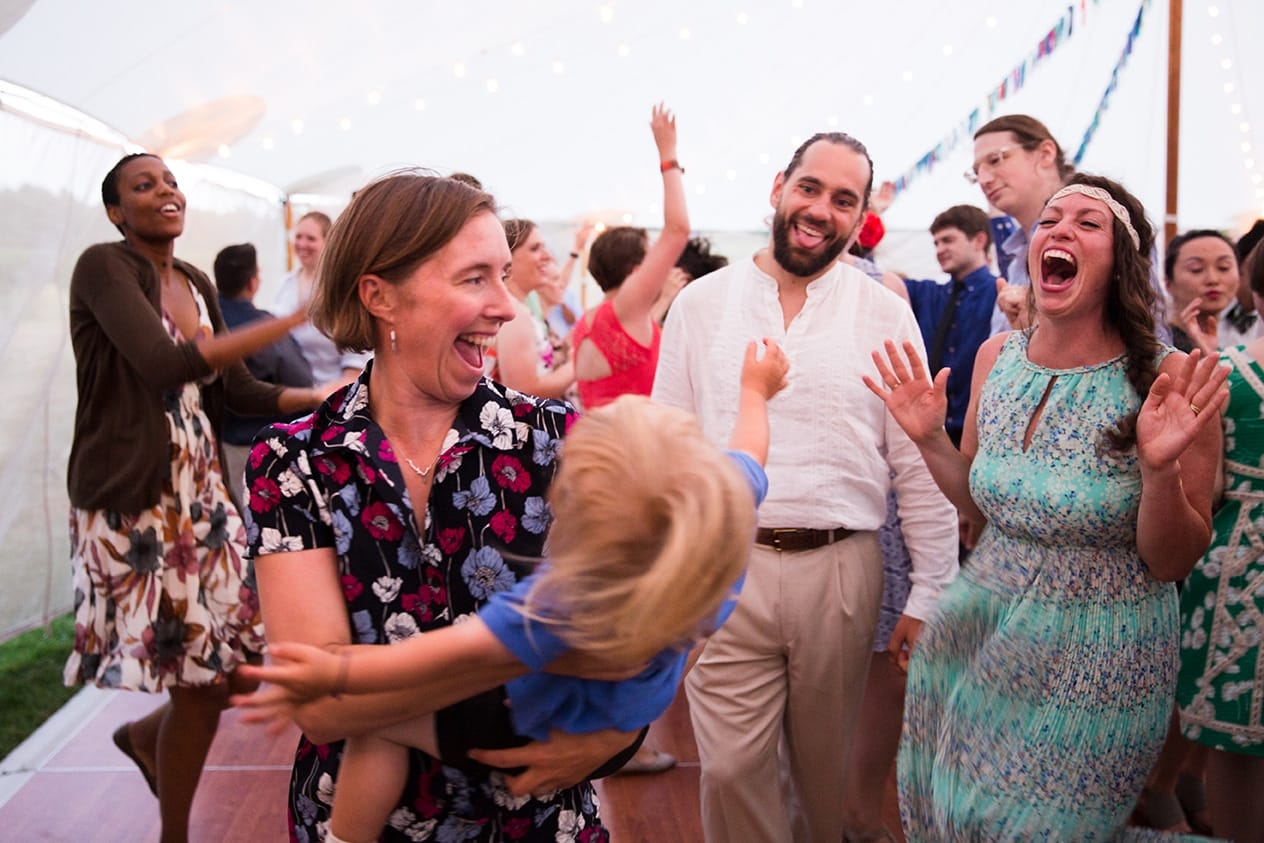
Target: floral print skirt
163	596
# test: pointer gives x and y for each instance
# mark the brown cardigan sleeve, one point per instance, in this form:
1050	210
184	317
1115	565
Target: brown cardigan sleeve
119	288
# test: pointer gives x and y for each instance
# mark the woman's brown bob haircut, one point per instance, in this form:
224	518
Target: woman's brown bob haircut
388	230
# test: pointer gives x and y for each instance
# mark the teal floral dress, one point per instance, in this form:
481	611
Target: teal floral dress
1221	687
1039	692
333	481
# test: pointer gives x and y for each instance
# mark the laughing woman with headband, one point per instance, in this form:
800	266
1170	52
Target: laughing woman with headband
1039	692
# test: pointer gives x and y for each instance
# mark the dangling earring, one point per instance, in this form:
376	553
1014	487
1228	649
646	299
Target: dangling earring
394	342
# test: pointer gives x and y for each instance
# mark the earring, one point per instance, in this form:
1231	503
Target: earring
394	342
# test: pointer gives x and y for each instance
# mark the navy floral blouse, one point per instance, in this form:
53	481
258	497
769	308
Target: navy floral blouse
332	480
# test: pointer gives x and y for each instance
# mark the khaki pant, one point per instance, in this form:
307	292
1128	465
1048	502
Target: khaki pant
776	694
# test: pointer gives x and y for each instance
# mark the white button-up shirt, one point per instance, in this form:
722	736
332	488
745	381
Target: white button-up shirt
833	444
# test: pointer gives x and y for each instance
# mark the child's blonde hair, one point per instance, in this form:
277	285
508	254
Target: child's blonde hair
653	525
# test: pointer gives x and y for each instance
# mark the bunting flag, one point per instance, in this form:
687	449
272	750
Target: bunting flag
1011	83
1133	34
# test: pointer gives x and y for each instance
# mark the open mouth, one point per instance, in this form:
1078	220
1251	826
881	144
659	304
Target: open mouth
1057	269
806	236
171	209
471	347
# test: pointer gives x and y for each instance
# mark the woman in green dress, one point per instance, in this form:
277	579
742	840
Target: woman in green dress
1221	688
1039	692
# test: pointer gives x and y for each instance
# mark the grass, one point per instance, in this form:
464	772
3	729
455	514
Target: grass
30	680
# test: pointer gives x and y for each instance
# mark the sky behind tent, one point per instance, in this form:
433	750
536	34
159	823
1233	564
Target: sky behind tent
548	101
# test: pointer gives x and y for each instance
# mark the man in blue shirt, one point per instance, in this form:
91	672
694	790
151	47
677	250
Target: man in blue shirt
237	280
955	318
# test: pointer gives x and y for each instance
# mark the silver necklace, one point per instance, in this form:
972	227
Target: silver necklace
421	472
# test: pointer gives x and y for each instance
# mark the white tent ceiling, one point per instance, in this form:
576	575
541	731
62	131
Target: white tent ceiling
547	101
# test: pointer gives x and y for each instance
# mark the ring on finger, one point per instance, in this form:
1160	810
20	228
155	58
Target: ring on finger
1194	408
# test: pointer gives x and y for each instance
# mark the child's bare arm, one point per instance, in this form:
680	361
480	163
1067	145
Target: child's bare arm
762	378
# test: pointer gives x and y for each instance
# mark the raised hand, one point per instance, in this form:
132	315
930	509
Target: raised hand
917	404
1013	302
1203	329
766	375
1177	408
663	125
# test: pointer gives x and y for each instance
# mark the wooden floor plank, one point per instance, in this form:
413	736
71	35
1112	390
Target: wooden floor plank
88	791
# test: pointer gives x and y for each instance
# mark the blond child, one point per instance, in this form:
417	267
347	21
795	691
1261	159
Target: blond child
652	528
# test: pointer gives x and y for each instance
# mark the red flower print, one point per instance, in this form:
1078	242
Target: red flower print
571	418
453	454
386	452
257	453
522	409
504	525
450	539
381	522
333	433
351	588
593	834
517	828
367	472
333	467
509	474
265	494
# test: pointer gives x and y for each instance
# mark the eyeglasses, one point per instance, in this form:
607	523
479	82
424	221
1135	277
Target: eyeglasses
991	161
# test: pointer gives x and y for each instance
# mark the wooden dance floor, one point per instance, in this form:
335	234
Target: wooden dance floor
69	783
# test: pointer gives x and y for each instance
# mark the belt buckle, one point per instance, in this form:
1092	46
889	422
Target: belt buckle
778	532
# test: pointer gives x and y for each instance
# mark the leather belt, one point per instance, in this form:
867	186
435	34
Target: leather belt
791	538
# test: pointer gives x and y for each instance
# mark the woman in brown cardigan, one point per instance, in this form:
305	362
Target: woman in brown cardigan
163	601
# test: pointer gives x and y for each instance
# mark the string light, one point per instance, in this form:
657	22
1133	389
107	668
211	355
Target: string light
907	76
345	124
492	86
685	33
419	104
742	17
1214	11
375	97
868	99
296	126
458	70
947	49
624	50
832	120
606	13
627	217
990	22
518	49
731	175
268	143
700	189
558	67
224	151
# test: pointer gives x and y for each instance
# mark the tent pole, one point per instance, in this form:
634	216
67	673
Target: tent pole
1173	115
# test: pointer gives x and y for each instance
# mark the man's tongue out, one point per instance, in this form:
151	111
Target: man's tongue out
807	237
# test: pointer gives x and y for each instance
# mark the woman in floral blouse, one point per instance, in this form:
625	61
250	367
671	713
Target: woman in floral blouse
342	554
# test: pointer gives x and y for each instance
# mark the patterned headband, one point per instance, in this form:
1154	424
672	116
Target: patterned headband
1120	212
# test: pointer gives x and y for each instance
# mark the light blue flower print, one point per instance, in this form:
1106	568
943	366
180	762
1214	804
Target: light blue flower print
409	555
546	447
363	626
342	532
536	515
458	830
478	499
350	495
485	573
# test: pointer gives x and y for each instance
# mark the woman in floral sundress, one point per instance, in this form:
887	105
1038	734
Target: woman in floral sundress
163	600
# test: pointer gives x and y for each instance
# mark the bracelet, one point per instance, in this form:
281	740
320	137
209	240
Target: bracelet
673	164
575	255
340	683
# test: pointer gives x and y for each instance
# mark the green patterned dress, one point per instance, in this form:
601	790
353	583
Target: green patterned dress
1039	692
1221	689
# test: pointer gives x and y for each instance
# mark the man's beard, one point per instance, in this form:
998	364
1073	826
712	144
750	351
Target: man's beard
796	261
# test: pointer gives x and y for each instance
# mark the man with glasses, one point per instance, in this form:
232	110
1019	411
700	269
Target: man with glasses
1018	165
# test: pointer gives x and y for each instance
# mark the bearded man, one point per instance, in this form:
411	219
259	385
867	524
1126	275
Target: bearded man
775	693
